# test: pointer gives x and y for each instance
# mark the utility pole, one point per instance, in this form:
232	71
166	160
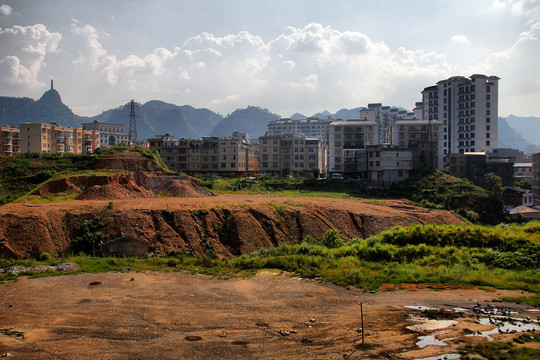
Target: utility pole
132	123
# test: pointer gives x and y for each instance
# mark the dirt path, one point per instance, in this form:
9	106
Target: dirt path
182	316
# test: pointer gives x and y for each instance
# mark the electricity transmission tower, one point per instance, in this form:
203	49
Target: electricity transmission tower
132	123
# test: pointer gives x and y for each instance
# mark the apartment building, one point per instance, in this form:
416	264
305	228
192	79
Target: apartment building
468	108
10	139
55	138
423	135
536	178
348	140
384	116
387	165
311	127
292	152
474	167
109	134
225	156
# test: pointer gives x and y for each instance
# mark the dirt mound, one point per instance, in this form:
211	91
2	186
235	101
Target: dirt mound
114	191
125	185
230	225
183	188
129	161
62	186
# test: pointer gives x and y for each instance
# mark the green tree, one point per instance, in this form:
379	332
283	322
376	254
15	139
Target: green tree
494	185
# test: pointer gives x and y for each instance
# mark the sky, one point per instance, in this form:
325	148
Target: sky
287	56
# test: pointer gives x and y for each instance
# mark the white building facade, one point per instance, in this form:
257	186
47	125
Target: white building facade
110	134
468	109
311	127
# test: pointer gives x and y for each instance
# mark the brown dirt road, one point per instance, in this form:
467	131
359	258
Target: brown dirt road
181	316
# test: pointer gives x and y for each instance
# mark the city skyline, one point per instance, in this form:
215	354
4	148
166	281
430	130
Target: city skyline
287	56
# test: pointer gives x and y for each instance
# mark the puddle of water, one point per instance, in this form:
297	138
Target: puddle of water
417	307
429	340
505	327
442	357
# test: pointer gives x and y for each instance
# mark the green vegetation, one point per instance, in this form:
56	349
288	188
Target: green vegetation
287	186
505	257
503	350
525	183
23	173
87	237
432	188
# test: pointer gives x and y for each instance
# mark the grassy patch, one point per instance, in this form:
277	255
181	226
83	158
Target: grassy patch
502	351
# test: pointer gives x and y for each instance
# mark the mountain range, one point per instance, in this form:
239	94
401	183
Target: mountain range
157	117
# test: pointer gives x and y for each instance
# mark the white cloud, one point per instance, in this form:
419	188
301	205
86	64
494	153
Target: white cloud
519	72
460	39
527	8
5	10
22	55
302	69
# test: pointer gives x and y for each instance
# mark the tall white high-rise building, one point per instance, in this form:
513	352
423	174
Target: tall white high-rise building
468	109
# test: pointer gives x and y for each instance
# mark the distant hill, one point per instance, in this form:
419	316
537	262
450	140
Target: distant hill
252	120
16	111
348	114
298	116
157	117
528	127
514	133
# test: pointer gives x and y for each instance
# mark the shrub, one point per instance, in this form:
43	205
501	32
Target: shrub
87	237
331	239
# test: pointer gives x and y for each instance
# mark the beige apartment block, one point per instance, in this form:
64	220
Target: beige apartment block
10	140
41	138
293	152
224	156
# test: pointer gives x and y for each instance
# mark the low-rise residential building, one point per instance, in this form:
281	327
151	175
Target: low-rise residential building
291	153
474	167
224	156
348	141
515	155
109	134
523	170
10	140
52	137
388	166
517	197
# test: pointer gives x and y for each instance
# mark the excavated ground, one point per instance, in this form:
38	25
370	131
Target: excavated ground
228	224
181	316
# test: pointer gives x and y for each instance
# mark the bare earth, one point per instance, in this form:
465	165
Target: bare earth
180	316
